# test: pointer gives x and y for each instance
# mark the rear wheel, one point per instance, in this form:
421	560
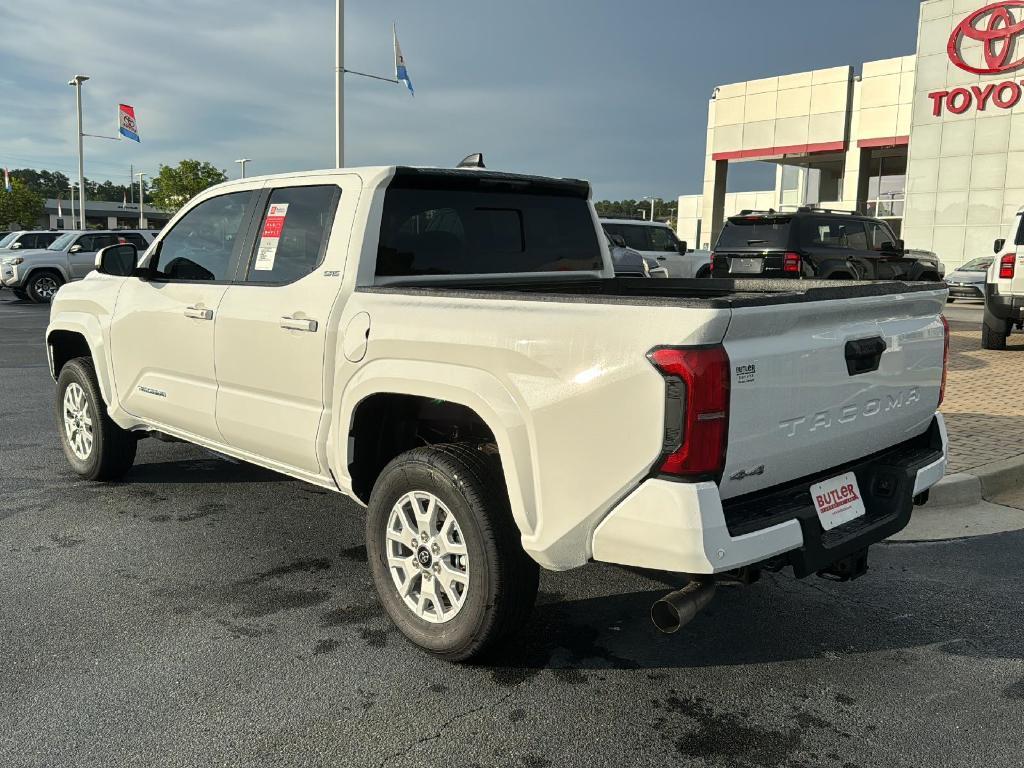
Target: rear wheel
445	552
95	446
703	272
42	286
994	338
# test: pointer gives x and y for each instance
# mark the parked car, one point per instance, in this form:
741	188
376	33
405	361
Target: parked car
1004	288
37	274
630	263
448	347
968	281
27	239
818	243
657	241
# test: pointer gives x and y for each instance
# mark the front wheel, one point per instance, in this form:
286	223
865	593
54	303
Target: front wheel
95	447
42	286
445	552
19	294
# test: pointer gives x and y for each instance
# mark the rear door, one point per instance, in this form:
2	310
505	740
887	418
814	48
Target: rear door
820	383
753	246
274	323
837	248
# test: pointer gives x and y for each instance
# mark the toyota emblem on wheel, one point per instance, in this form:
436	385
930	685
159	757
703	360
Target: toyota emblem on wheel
998	28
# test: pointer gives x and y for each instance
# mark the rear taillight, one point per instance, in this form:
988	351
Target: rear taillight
945	357
696	410
1007	266
791	262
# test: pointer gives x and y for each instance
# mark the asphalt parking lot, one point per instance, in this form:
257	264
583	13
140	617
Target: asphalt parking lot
205	612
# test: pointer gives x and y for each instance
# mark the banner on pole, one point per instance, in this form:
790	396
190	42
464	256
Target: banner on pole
401	73
126	122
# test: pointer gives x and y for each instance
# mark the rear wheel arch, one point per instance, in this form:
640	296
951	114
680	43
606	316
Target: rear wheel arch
482	399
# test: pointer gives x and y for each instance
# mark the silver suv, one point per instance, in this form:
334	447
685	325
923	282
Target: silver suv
26	239
36	274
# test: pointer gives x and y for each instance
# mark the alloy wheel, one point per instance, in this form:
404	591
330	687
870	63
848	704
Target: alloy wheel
78	421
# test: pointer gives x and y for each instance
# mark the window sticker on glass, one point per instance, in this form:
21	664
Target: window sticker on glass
270	238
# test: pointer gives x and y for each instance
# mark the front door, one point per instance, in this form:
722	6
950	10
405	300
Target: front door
272	327
82	253
162	333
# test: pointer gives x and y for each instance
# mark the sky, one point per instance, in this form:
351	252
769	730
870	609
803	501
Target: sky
610	91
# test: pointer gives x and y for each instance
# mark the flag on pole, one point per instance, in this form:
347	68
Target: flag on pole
126	123
401	73
60	213
7	180
124	200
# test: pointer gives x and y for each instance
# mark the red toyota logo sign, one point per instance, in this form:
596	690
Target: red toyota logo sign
995	27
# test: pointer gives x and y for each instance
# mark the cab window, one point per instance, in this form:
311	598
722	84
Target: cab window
878	235
837	233
293	233
202	245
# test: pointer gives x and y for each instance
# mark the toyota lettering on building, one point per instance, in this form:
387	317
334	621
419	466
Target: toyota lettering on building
931	142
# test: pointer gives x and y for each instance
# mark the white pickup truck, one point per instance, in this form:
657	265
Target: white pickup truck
450	348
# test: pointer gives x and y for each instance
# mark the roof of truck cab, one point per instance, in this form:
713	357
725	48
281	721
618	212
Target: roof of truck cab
372	173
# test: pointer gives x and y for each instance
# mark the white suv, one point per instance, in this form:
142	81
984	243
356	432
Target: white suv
656	240
1004	288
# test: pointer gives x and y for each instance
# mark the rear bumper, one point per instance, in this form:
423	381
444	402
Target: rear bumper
1003	306
686	528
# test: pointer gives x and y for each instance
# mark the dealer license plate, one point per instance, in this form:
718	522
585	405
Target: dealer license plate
746	266
838	501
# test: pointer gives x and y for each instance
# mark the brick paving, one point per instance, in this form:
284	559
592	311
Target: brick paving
984	406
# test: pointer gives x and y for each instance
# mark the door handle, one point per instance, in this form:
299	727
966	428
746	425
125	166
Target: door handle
294	324
199	313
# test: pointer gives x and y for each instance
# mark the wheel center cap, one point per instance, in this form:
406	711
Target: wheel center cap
424	556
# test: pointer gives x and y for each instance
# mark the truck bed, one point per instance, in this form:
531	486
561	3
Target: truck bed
691	292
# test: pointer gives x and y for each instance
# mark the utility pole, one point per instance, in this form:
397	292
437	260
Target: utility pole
142	197
242	161
131	183
76	83
339	85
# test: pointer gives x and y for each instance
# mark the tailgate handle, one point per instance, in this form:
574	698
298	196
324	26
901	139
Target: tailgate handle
864	355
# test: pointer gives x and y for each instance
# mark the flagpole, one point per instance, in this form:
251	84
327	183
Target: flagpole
339	85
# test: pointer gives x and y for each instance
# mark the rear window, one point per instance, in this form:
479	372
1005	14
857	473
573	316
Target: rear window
469	226
759	233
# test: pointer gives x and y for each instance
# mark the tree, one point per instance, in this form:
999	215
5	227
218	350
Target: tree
176	185
635	209
21	206
43	183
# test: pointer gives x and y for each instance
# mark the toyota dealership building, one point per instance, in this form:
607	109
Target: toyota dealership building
933	143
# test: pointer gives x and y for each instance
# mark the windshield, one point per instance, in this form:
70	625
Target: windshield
977	265
642	237
62	241
8	239
755	232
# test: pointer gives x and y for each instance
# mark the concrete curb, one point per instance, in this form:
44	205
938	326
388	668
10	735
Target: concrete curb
977	484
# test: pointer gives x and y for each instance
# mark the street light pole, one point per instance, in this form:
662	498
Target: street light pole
242	161
74	224
339	84
141	174
76	83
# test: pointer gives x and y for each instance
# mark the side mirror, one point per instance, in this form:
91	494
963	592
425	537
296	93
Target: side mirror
999	245
896	247
619	240
682	247
74	248
16	246
117	260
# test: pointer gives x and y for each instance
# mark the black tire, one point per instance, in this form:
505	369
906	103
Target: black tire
502	578
20	294
950	301
993	338
42	285
703	273
113	449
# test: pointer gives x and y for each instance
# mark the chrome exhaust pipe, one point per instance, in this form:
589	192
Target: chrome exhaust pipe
677	609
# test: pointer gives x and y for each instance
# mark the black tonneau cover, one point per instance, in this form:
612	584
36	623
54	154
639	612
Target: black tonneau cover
717	293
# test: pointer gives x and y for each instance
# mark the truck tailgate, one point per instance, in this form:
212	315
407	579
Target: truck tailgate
806	395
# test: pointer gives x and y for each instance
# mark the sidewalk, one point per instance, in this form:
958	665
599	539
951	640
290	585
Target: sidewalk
984	406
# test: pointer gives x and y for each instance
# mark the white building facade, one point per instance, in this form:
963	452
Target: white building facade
933	143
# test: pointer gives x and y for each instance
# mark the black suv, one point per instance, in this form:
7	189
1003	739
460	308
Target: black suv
817	243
